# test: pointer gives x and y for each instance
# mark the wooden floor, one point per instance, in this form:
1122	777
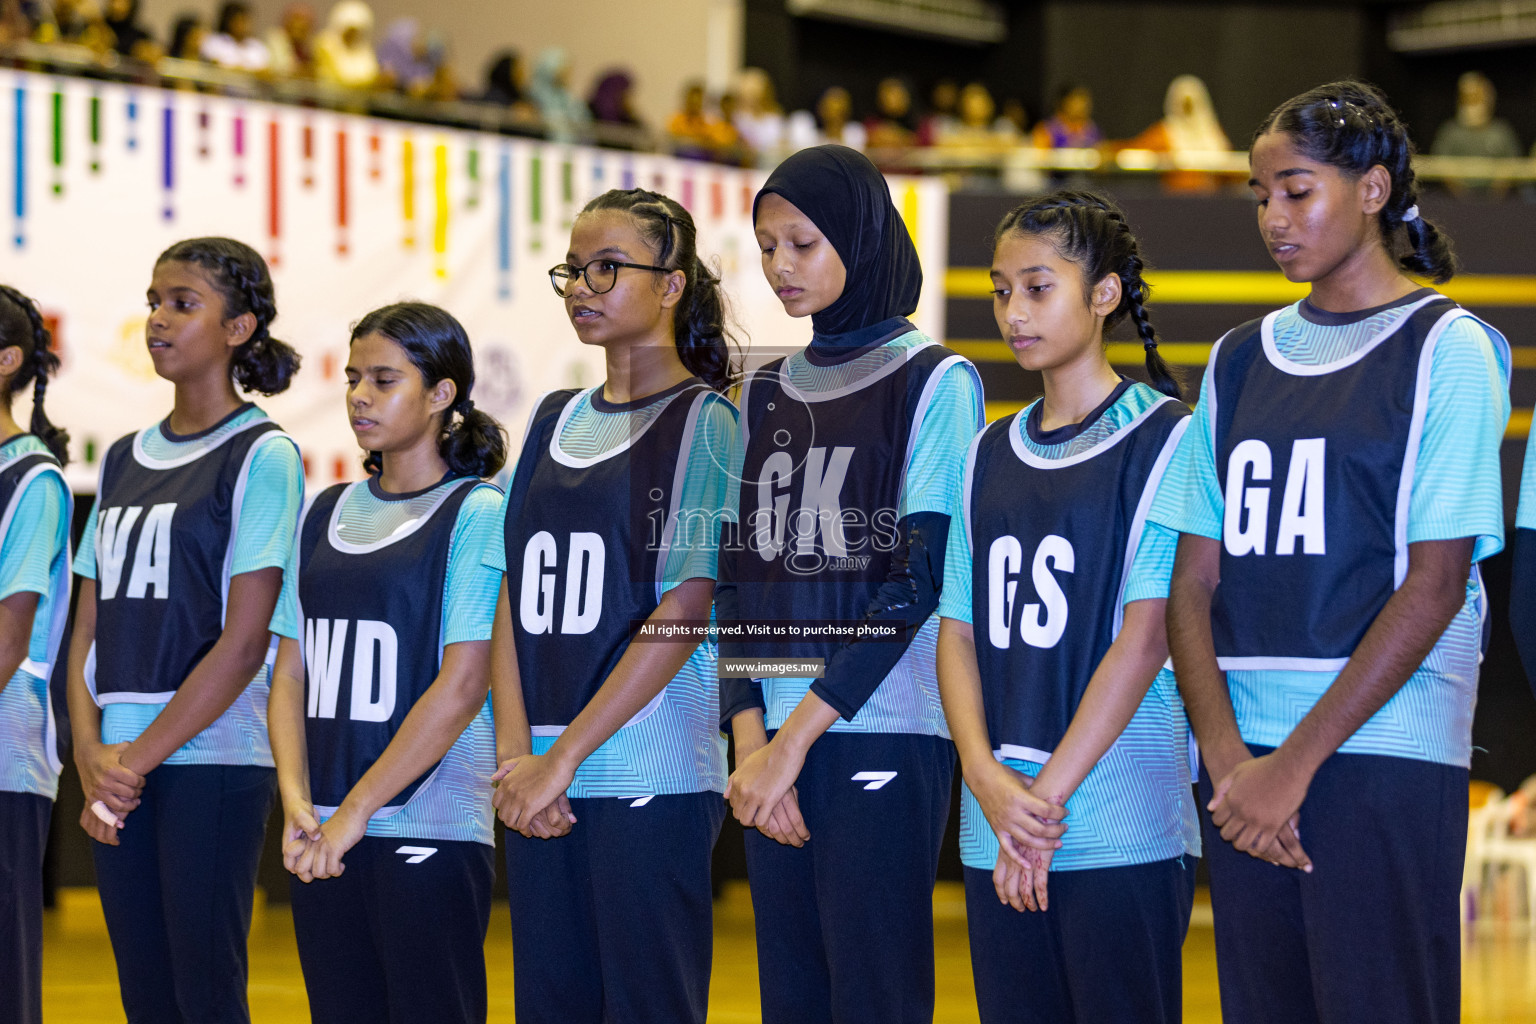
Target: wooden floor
80	984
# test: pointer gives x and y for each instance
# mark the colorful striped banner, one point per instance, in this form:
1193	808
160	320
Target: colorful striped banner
202	134
19	171
239	128
309	154
341	191
627	175
687	198
472	172
536	202
440	213
504	225
133	122
408	191
375	157
567	194
274	192
168	160
58	142
95	132
717	198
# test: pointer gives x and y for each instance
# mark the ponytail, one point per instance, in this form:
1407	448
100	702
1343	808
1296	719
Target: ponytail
1350	125
472	442
39	363
262	363
1092	232
704	340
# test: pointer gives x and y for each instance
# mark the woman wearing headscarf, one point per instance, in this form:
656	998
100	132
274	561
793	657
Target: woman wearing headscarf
344	52
566	118
1189	126
851	451
405	58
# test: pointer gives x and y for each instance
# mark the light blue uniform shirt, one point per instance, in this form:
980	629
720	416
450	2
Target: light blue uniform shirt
31	556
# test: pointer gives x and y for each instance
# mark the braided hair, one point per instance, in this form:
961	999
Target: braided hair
472	443
1092	232
1351	126
262	363
21	324
704	340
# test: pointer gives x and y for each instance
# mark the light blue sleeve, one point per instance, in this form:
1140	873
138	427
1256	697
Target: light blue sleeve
494	555
955	413
955	599
706	489
1189	500
285	617
85	558
1456	482
1152	569
269	511
469	595
34	539
1525	516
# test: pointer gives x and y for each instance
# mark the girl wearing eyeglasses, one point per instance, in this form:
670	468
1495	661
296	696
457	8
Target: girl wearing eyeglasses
612	762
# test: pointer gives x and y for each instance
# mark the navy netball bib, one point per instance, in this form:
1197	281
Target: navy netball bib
1052	543
165	540
821	493
1316	467
371	619
587	540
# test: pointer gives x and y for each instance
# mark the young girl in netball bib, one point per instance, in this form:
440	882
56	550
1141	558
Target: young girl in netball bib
1052	647
35	509
853	448
381	726
182	562
612	762
1340	478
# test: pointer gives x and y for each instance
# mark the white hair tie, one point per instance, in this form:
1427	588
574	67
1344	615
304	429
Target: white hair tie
1411	214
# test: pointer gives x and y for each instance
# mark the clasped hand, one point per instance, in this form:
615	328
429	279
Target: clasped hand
530	796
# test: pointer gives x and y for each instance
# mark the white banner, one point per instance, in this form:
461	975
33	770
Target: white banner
351	213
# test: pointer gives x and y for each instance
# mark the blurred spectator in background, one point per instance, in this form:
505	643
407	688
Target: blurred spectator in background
892	124
701	135
129	37
759	120
942	103
405	61
612	100
689	126
1071	125
235	44
1012	119
291	43
15	26
506	84
344	51
77	22
1189	127
976	126
566	117
187	36
1474	131
834	119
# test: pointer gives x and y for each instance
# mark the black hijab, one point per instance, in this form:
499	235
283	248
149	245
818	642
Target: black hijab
847	198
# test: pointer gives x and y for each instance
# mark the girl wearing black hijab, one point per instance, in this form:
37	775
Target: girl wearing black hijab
851	453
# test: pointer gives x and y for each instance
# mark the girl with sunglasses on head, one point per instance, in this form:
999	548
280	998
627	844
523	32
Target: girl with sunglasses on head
612	762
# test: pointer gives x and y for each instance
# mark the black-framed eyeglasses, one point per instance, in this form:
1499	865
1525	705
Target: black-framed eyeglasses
601	275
